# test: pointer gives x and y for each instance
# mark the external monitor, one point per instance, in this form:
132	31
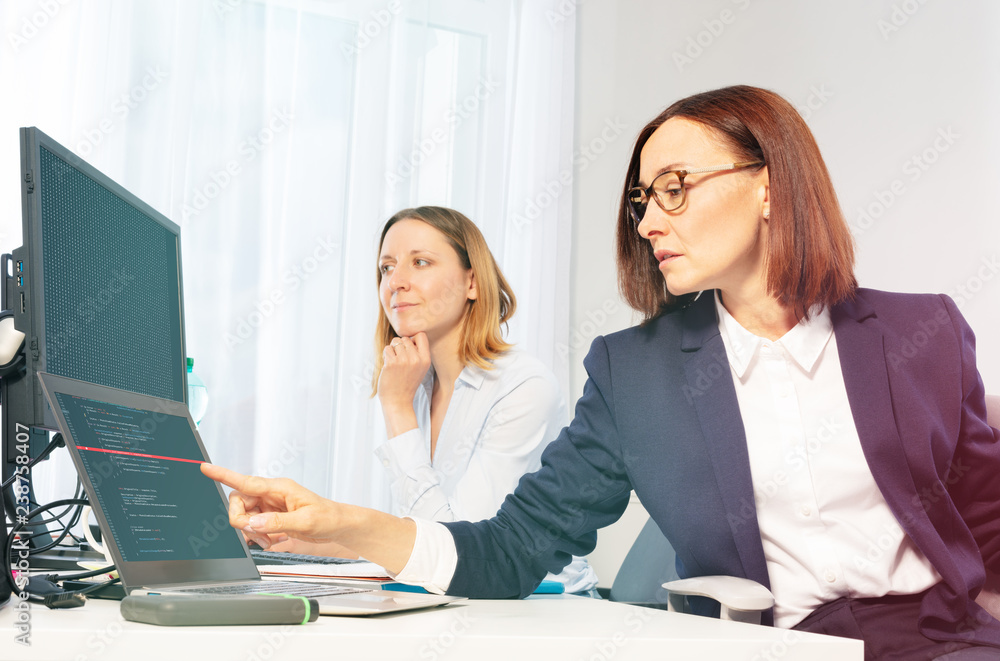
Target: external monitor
96	288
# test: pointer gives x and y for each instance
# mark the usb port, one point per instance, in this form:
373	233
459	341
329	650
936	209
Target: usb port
20	281
20	266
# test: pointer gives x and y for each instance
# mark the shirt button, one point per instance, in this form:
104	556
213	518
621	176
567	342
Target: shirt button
385	462
806	511
830	577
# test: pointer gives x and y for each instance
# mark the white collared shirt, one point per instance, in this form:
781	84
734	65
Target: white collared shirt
497	424
827	531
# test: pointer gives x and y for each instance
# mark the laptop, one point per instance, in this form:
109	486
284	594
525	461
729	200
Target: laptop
164	523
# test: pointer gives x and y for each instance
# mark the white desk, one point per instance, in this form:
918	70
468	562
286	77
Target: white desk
571	628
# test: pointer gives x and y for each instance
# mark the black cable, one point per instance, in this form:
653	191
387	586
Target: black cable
57	518
77	514
86	574
55	597
22	522
98	586
56	442
54	543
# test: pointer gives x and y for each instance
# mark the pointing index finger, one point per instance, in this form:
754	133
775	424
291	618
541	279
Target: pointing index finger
228	477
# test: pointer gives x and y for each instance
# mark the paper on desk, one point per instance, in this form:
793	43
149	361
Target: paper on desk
365	571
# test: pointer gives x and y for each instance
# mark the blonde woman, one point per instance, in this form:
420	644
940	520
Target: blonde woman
465	413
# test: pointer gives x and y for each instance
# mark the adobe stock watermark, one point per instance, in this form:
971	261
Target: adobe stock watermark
32	24
985	272
370	29
279	462
609	481
589	328
778	649
913	168
292	278
222	178
797	460
271	643
928	498
439	644
705	377
815	100
225	7
101	640
362	383
714	28
634	621
456	458
563	12
582	158
288	455
890	535
899	16
923	332
120	109
453	118
21	491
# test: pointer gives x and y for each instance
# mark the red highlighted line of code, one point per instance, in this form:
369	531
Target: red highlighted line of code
140	454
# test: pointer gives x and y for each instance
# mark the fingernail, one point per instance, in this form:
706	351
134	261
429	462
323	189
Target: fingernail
257	521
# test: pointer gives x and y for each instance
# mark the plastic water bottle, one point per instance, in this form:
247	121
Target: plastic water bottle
197	393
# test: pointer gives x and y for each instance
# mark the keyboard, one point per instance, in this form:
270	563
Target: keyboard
297	588
261	557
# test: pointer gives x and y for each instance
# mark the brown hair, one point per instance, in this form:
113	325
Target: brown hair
494	305
809	258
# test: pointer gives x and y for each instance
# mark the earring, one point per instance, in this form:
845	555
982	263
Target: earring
767	214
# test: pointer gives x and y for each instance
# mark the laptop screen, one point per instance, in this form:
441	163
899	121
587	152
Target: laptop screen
138	458
144	468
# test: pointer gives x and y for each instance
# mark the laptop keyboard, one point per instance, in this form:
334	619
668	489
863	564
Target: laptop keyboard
296	588
261	557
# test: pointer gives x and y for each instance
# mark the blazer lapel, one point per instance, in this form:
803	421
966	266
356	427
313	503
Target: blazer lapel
710	389
866	377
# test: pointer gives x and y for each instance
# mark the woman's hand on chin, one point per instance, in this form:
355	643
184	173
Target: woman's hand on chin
405	364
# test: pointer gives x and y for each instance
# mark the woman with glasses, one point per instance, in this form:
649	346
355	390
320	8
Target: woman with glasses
778	422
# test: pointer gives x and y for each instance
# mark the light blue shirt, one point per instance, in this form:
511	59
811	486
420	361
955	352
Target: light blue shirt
497	425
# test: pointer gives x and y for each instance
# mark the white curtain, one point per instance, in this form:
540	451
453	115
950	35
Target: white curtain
280	135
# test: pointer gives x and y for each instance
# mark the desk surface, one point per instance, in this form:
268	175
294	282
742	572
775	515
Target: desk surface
572	628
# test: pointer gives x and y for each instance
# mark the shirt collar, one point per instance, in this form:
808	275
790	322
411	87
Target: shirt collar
471	375
804	343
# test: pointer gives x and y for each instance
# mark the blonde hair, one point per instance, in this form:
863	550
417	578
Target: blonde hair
494	305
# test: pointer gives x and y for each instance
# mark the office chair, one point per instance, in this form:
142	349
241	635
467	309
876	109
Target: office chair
649	564
648	576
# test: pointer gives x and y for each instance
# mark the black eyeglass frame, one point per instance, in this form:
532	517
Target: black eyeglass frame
651	192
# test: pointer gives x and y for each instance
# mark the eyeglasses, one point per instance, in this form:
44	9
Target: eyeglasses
668	188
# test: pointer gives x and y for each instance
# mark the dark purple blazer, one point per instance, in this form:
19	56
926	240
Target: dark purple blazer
659	415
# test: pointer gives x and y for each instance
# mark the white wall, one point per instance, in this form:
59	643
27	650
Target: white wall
880	97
